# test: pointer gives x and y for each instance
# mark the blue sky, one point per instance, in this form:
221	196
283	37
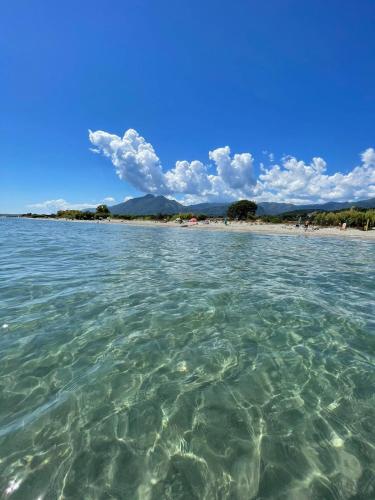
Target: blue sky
283	77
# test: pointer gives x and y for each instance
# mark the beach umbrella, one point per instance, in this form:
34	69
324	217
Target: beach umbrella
193	219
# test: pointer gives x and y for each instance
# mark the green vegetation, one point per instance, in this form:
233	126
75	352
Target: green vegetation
38	216
189	216
242	210
163	217
75	215
103	210
354	217
272	219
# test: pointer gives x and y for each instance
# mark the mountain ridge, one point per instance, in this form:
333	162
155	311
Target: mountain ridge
150	204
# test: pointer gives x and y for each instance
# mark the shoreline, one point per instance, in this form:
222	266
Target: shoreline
245	227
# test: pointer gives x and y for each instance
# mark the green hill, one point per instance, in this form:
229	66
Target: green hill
152	205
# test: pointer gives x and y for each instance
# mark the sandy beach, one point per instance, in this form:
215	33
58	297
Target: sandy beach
250	227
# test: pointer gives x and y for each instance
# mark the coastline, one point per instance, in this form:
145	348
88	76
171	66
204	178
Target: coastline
246	227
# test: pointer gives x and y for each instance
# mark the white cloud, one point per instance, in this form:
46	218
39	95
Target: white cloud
298	182
52	206
136	162
236	172
229	177
188	177
368	157
134	159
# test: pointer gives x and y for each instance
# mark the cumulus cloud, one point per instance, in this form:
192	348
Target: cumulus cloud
236	172
52	206
295	181
134	159
230	176
136	162
188	177
368	157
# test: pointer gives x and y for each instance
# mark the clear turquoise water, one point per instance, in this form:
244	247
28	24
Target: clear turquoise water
143	363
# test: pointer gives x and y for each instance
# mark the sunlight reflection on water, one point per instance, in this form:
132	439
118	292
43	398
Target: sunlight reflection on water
156	363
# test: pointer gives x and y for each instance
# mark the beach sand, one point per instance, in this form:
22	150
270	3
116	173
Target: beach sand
249	227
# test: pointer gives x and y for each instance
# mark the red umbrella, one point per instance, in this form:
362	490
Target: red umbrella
193	219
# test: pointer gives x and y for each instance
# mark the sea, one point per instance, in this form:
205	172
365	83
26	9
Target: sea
169	363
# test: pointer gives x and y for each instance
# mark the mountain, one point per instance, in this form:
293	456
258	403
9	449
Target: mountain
370	203
337	205
271	208
212	209
147	205
267	208
152	205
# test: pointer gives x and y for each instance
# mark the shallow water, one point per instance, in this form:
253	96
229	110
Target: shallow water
144	363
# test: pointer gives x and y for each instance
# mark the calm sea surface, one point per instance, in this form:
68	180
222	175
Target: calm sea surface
144	363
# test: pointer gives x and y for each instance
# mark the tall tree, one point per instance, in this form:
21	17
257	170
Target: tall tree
102	210
242	209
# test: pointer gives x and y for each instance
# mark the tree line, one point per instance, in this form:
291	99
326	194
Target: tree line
102	212
240	210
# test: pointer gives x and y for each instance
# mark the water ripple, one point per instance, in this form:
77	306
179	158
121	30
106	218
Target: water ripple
151	364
